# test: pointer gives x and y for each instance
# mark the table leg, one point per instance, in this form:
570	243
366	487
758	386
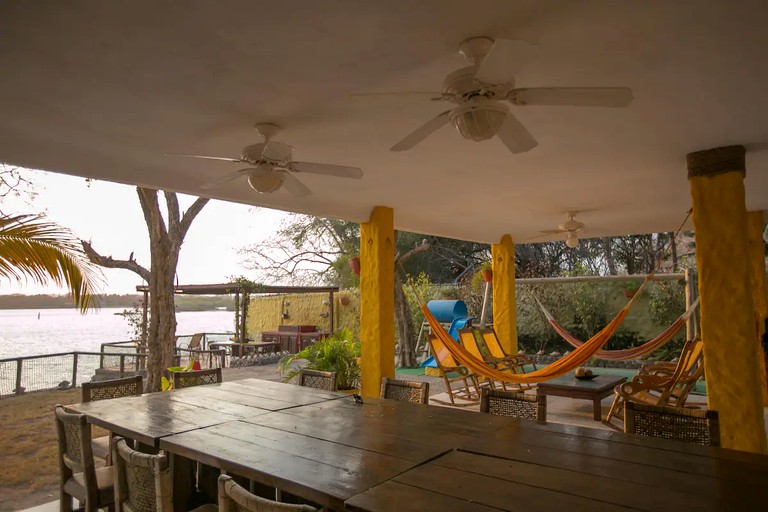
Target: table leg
183	471
598	409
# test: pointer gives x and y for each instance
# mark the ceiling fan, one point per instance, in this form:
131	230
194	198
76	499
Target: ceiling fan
270	166
571	227
482	90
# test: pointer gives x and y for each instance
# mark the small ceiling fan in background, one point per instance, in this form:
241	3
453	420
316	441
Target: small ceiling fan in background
482	90
270	166
571	228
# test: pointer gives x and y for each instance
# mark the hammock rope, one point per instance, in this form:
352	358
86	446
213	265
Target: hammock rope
565	364
622	354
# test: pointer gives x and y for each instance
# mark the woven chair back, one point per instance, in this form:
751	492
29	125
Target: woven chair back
142	481
73	435
681	424
405	391
517	405
317	379
234	498
196	378
106	389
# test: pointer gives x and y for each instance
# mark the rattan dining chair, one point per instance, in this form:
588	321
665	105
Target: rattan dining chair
143	482
317	379
234	498
104	390
78	476
405	390
682	424
196	378
518	405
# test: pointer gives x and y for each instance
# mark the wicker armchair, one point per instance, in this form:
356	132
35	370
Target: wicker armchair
143	482
405	391
689	425
104	390
518	405
317	379
234	498
196	378
78	476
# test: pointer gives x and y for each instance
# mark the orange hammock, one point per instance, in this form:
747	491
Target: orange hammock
629	353
560	367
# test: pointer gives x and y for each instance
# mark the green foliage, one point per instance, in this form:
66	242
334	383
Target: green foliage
666	301
166	384
338	353
135	318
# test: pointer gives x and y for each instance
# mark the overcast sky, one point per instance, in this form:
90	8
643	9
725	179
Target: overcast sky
110	216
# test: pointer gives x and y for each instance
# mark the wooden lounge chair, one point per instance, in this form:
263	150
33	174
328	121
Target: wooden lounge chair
78	476
469	342
196	378
447	364
682	424
317	379
104	390
514	362
404	390
690	354
234	498
518	405
143	482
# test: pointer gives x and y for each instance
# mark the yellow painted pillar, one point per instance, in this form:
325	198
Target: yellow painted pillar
716	178
504	313
377	300
755	227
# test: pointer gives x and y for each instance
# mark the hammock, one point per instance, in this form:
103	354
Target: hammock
629	353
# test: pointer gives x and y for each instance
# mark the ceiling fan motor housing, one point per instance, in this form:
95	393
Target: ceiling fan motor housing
479	121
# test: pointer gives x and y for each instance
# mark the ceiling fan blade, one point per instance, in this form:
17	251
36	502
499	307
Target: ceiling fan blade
226	178
292	184
503	60
340	171
422	132
277	151
572	96
552	231
206	157
515	136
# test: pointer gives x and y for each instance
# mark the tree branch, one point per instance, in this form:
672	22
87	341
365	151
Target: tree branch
190	215
109	262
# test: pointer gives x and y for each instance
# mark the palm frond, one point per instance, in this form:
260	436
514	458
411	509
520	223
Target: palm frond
32	248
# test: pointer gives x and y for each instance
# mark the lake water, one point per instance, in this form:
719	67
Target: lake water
22	333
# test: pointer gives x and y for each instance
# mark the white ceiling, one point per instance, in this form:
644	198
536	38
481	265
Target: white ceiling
104	89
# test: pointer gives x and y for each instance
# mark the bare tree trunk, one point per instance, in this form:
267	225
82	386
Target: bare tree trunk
674	250
406	357
610	261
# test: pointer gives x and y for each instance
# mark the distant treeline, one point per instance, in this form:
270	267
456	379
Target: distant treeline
183	303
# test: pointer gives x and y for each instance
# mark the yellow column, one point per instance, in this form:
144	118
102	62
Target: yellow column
759	296
504	314
377	299
716	178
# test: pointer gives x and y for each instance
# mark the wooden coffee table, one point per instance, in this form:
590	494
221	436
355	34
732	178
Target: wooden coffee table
571	387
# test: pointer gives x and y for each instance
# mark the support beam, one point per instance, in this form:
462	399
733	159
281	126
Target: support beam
716	179
755	227
377	299
504	304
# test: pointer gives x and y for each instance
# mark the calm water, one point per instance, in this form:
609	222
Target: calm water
22	333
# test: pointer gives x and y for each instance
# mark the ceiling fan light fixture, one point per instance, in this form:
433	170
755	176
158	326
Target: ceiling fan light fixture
479	121
265	182
572	240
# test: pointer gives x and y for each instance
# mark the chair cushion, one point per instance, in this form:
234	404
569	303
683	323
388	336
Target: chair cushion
75	486
101	447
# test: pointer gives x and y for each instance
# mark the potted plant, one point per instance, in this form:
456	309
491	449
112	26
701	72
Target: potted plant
630	289
486	271
354	264
339	353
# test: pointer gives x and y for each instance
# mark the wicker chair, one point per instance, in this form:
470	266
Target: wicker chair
104	390
690	425
405	391
196	378
518	405
143	482
234	498
78	476
317	379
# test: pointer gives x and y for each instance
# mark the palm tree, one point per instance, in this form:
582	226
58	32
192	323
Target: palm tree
32	248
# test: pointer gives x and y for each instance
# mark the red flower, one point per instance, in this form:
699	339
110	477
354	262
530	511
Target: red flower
196	366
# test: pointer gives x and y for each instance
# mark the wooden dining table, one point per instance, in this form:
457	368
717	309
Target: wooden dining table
385	455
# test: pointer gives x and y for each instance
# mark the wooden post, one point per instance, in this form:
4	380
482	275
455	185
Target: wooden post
18	375
122	365
716	179
377	300
74	369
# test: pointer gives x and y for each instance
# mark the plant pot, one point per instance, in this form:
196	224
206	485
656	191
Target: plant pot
354	265
629	293
487	275
344	300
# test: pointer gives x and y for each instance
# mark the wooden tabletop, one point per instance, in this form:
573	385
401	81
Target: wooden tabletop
569	381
